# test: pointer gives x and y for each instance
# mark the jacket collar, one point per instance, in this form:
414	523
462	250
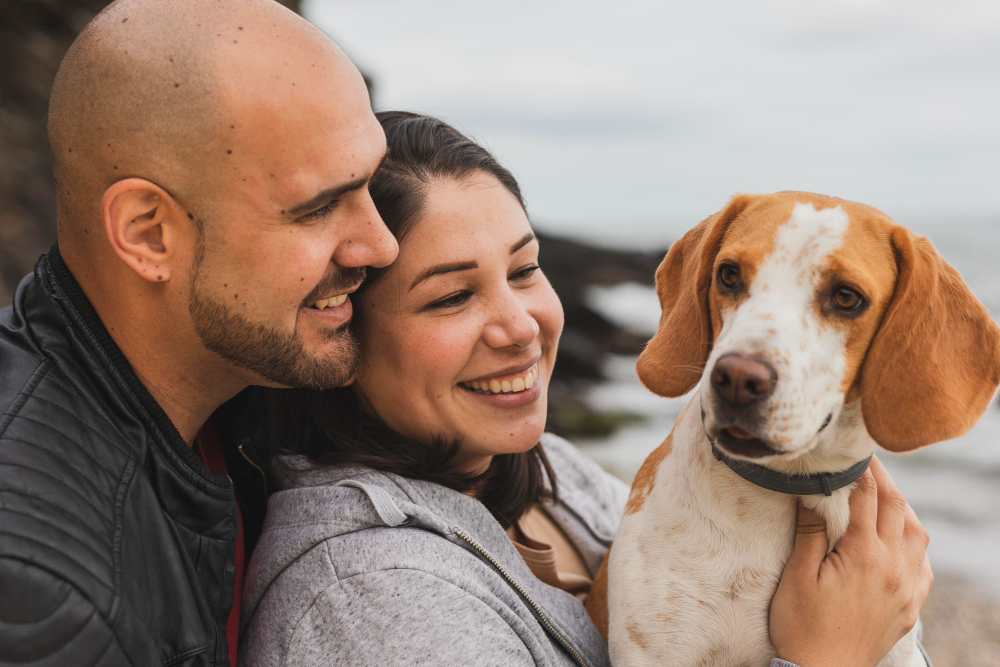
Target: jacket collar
68	294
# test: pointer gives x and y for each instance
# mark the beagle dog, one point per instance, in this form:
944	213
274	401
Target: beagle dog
814	328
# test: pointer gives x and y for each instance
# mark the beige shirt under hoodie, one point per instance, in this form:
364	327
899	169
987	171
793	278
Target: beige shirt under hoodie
549	553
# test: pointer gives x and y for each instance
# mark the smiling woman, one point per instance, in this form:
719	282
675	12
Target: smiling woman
429	482
465	317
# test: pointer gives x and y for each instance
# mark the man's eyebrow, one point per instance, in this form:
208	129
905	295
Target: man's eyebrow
444	268
328	195
525	240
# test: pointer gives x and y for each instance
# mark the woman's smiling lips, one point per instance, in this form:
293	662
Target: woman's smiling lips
508	389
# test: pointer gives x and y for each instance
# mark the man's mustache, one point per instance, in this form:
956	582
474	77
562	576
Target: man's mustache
336	283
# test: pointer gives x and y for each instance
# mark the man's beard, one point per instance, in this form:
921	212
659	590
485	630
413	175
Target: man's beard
277	356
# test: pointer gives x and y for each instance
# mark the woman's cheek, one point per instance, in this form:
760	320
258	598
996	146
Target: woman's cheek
549	314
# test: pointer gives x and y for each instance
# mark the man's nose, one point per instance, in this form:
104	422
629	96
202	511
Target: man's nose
370	242
740	380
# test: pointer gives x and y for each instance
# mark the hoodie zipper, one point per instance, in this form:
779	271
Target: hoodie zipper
538	610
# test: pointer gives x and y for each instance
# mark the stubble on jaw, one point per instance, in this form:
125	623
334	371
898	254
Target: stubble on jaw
279	357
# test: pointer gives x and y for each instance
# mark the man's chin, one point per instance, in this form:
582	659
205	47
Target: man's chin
310	357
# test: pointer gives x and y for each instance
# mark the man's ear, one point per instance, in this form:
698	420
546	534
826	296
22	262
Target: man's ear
144	225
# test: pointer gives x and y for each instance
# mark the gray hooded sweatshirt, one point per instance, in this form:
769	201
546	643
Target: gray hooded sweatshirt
358	567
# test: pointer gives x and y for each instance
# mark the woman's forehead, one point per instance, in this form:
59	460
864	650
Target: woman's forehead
460	219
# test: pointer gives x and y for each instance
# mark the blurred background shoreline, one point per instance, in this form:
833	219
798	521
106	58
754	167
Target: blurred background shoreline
626	126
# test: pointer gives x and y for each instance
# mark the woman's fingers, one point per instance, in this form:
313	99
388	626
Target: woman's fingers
871	588
811	541
915	538
925	580
891	507
864	507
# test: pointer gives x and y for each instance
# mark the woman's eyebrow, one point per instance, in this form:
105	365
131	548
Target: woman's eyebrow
525	240
443	268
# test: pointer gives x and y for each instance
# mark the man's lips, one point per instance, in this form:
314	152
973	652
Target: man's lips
332	300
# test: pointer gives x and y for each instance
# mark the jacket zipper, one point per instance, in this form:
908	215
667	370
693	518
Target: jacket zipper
538	610
259	469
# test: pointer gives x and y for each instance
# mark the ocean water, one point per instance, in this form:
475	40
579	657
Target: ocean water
954	486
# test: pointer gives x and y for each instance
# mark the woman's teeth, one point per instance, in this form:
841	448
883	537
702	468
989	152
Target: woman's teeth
506	386
332	302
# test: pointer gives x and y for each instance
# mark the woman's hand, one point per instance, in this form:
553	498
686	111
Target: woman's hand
849	607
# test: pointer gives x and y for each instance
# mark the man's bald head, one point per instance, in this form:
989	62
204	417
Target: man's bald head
155	89
212	160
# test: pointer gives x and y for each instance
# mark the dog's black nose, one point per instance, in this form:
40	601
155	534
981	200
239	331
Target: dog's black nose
741	380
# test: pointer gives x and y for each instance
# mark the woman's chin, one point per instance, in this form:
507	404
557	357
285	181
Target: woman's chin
500	438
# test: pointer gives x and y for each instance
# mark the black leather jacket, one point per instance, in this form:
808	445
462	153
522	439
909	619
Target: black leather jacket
116	544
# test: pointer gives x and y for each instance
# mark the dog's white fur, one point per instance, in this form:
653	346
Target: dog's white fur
693	570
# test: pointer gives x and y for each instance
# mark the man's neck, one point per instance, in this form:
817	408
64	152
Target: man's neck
187	380
187	397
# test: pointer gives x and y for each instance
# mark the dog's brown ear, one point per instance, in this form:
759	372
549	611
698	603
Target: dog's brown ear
673	360
934	363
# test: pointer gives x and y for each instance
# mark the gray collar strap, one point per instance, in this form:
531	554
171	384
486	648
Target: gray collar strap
797	485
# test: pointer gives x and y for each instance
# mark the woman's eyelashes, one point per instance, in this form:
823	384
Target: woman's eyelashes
461	297
454	299
524	272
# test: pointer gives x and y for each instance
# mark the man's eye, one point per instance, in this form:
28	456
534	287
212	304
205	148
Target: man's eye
524	273
454	299
321	212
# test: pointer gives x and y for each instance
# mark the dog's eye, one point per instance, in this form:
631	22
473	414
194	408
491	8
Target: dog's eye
846	299
729	275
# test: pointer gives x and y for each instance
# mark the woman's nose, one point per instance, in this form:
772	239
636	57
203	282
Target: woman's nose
511	323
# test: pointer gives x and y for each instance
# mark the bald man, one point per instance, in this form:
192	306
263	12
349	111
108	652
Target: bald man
212	161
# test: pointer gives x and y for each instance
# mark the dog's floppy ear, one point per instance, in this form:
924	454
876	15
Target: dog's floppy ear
673	360
934	363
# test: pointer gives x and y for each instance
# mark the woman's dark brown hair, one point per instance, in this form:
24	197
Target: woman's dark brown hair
332	427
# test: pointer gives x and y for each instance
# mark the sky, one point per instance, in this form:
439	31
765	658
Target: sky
631	121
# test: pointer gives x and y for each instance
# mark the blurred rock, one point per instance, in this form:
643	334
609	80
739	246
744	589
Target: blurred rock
589	337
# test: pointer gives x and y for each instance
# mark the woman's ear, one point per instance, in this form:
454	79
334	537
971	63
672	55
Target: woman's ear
934	363
674	359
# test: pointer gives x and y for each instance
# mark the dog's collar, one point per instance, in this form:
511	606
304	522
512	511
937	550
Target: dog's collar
797	485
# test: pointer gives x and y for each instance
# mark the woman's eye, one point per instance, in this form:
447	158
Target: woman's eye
524	273
455	299
729	275
846	299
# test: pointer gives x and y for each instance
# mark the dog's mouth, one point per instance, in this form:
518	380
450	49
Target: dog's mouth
736	441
